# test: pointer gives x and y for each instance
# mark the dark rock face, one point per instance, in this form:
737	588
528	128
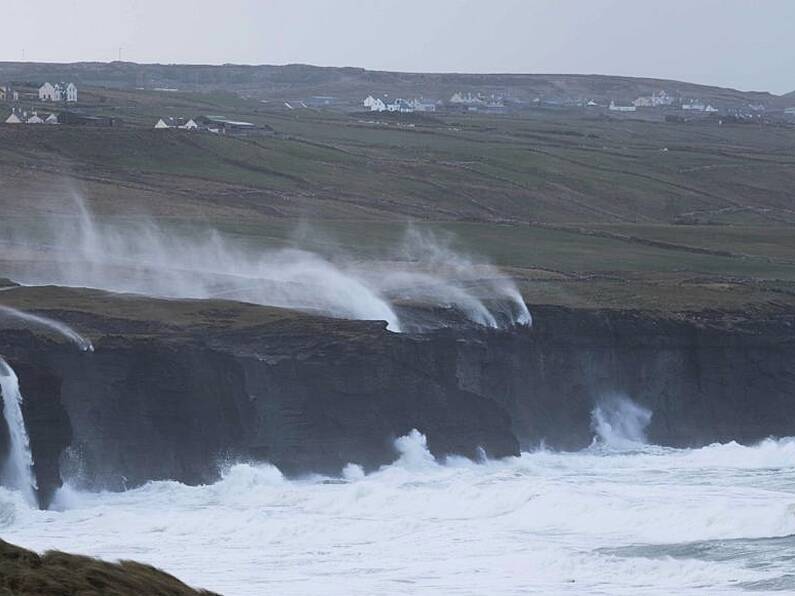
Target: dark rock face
312	395
710	378
144	408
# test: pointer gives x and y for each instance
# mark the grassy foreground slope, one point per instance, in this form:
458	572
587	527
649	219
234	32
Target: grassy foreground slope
582	209
25	573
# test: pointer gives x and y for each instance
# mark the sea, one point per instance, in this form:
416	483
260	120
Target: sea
620	517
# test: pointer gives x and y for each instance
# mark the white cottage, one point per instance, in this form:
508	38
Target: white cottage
374	104
13	119
68	92
34	119
49	92
163	123
51	119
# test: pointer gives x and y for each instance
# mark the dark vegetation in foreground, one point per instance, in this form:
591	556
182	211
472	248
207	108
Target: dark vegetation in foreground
25	573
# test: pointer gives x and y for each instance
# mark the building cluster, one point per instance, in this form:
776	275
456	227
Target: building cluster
212	124
660	100
398	104
23	117
21	94
458	101
58	92
478	100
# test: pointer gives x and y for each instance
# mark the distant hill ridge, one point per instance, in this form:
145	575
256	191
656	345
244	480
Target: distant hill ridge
352	84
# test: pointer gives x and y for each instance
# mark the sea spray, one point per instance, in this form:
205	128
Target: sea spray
17	470
54	325
144	258
619	422
414	452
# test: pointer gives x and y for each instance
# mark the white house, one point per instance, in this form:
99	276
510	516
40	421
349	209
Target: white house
34	119
400	105
51	119
374	104
711	109
48	92
13	119
163	123
190	125
694	106
616	107
68	92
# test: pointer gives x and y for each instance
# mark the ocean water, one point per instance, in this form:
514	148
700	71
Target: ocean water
635	520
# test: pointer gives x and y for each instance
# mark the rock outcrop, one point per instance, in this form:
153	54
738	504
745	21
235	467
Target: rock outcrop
25	573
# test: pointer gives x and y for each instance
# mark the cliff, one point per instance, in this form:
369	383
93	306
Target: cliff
175	388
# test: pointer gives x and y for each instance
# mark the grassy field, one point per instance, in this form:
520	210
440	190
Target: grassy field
582	210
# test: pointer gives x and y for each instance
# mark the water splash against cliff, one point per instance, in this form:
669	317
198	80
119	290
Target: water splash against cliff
619	422
52	324
17	470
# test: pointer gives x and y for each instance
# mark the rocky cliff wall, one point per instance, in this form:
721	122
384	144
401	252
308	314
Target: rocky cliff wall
311	395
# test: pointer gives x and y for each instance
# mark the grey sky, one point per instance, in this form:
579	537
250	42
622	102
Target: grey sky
747	44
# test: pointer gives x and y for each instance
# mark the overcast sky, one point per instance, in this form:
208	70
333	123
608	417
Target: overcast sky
747	44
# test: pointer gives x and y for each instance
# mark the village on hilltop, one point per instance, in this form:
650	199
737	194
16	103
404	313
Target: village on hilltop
468	101
52	103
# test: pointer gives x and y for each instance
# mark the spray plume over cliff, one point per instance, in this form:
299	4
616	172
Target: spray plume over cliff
146	258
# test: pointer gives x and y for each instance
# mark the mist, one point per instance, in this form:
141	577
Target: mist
422	273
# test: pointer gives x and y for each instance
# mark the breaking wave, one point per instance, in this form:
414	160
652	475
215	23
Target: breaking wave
645	521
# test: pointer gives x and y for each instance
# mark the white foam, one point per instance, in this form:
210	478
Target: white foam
536	523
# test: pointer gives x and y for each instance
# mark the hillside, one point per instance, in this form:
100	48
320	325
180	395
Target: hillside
351	85
583	210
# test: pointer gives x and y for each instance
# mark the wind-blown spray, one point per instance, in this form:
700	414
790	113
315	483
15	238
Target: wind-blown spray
146	259
52	324
17	470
